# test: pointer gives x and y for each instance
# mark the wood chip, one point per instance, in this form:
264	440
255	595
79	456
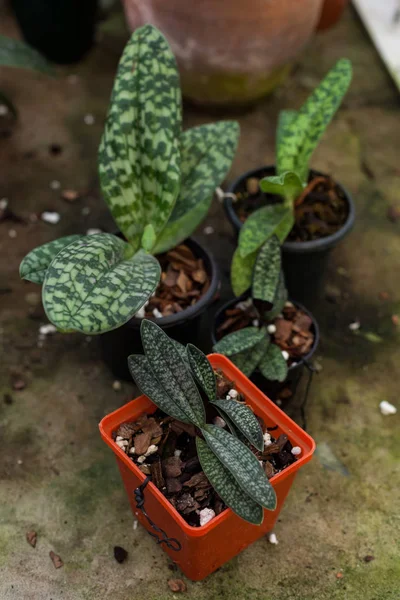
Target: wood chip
126	430
31	538
269	469
199	480
186	504
172	466
200	276
57	561
283	330
156	474
183	282
177	585
142	442
174	486
179	427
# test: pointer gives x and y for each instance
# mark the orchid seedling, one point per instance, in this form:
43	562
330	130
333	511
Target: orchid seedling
158	183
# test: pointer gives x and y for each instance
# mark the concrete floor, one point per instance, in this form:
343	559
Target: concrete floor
59	479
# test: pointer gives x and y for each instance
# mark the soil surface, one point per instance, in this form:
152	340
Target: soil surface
165	449
338	531
319	211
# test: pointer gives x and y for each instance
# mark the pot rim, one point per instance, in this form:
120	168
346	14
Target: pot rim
262	405
318	245
302	359
205	300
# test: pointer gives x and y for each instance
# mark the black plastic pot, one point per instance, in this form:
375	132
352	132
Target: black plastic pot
304	263
295	372
62	30
184	327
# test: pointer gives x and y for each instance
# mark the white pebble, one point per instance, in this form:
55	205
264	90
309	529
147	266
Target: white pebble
278	402
255	322
116	385
132	450
355	326
151	449
273	539
93	231
119	438
296	450
19	462
55	185
285	354
50	217
267	438
48	329
141	312
135	525
141	459
122	444
387	408
177	452
208	230
206	514
233	393
3	110
12	233
89	119
289	304
157	314
219	422
293	364
271	329
3	203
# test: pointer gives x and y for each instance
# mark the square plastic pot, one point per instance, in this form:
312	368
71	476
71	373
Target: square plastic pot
205	549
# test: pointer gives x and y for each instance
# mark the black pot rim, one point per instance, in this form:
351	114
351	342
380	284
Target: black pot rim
294	247
303	359
192	311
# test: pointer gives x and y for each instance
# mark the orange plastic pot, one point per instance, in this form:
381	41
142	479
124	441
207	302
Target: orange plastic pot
205	549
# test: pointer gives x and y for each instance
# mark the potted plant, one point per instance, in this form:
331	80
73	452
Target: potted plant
205	486
268	337
158	183
307	210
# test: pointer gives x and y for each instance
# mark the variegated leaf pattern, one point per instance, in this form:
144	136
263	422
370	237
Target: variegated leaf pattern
239	340
242	272
248	361
285	118
259	226
242	464
91	287
272	365
279	300
14	53
267	270
207	152
244	419
202	371
226	486
139	154
306	129
34	266
149	385
171	371
287	185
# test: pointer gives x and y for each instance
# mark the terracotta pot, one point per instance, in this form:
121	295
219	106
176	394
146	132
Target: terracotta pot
230	52
331	12
199	551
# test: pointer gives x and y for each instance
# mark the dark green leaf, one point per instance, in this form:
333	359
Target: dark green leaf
172	371
285	118
279	300
267	270
244	419
272	365
34	266
14	53
91	287
226	486
242	272
239	340
248	360
139	154
260	226
207	152
149	385
202	371
242	464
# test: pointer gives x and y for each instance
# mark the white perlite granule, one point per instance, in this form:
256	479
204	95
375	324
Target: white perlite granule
206	514
387	408
273	539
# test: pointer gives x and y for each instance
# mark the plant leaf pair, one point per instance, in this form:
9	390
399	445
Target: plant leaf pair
288	185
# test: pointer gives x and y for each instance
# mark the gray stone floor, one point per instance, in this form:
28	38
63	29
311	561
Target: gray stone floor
59	479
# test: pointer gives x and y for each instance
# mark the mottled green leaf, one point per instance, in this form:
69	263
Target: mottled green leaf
259	226
239	340
249	360
287	185
91	287
272	365
172	371
244	419
207	152
285	118
139	153
202	371
242	272
34	266
242	464
279	300
14	53
302	135
267	270
148	238
149	385
226	486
